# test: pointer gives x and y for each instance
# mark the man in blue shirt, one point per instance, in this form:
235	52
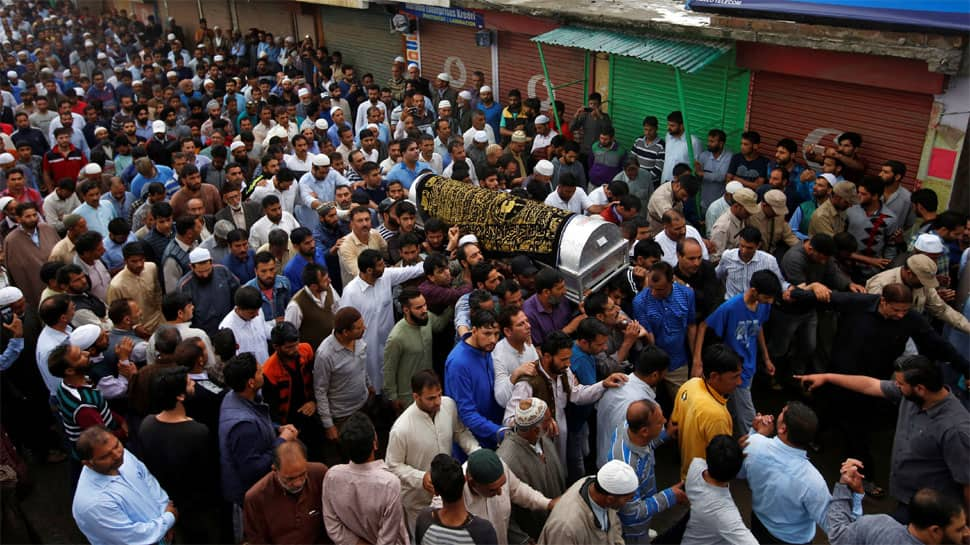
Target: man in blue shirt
410	166
273	288
470	379
307	252
666	310
785	159
117	499
241	259
740	322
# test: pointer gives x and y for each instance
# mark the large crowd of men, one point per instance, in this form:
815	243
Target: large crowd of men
222	309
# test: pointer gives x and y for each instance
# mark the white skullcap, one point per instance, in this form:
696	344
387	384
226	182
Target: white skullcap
171	74
321	124
480	136
100	130
208	82
399	59
333	109
444	77
485	89
286	80
102	56
199	255
542	120
91	168
12	74
467	239
218	58
158	126
929	243
530	412
617	478
10	295
544	167
412	65
4	202
79	91
6	158
733	186
136	82
465	95
830	178
320	160
444	104
171	37
236	145
263	54
303	92
88	43
66	73
85	336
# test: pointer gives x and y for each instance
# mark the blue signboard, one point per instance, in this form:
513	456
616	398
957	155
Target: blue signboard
452	16
939	14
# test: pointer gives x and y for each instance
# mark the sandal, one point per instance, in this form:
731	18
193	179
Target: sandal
873	490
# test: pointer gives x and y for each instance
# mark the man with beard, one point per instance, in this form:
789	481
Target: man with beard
274	218
138	281
288	384
470	379
177	450
175	258
242	214
273	288
329	233
798	176
307	252
547	310
32	243
193	188
802	216
89	309
211	283
712	164
275	506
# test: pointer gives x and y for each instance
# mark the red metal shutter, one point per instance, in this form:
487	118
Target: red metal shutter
451	48
813	111
519	68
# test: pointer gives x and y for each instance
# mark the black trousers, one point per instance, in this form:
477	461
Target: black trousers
762	534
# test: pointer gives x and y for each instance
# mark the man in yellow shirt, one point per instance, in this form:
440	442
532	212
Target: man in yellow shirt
700	410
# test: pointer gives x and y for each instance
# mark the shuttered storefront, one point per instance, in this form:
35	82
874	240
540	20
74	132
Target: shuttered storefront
813	111
451	48
363	38
268	15
217	14
519	68
716	97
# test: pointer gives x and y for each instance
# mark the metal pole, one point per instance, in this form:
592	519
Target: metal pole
586	75
724	95
549	88
690	139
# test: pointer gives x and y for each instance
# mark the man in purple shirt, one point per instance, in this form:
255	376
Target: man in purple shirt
548	310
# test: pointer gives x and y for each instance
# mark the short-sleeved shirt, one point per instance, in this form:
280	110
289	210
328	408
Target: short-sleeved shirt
701	414
930	448
749	170
734	322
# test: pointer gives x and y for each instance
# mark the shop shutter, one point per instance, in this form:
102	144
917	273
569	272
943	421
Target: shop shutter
363	38
186	15
519	68
451	48
716	97
216	13
813	111
271	16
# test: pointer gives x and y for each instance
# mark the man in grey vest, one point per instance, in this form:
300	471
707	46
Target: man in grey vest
312	309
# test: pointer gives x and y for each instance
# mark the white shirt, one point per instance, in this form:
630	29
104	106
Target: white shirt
670	247
296	164
714	517
294	315
375	304
251	336
259	232
675	152
597	197
578	204
469	135
436	162
47	341
415	440
471	170
736	274
539	141
360	122
287	198
506	360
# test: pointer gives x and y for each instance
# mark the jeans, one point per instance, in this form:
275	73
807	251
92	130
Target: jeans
577	448
742	410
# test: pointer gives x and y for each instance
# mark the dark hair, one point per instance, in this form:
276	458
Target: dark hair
298	235
57	363
236	235
717	133
926	198
357	438
248	298
719	358
766	283
184	224
556	342
167	339
930	507
162	209
618	188
433	262
788	144
48	271
676	117
919	370
345	319
311	273
88	242
119	309
447	478
407	295
898	168
172	303
368	259
284	333
823	244
652	359
845	242
648	248
590	328
724	458
651	120
224	343
873	185
689	183
480	272
751	234
595	303
264	257
167	385
663	268
950	220
751	136
188	352
546	279
483	318
802	424
238	370
853	137
64	273
424	378
54	307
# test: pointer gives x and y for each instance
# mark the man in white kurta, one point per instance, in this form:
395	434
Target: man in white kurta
370	292
250	328
428	427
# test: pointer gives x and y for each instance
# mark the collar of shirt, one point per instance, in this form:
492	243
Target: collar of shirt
788	450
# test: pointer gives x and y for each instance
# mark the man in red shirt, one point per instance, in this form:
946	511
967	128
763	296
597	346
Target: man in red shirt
64	161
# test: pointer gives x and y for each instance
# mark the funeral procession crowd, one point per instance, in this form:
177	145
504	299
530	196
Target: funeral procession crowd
226	317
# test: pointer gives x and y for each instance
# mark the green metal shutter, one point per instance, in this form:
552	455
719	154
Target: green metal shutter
364	39
716	97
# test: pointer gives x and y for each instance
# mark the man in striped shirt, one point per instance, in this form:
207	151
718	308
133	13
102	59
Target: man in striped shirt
451	524
649	150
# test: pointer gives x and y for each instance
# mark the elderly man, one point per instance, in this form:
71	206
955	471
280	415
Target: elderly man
675	229
531	455
725	230
830	218
138	281
428	427
587	512
117	500
776	234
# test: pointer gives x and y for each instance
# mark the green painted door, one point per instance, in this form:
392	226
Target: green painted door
716	97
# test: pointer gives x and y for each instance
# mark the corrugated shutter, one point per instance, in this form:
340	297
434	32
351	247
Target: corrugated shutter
452	49
271	16
813	111
216	13
186	15
363	38
716	97
519	68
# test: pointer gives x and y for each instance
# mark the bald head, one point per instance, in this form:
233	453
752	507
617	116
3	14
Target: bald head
289	452
638	414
